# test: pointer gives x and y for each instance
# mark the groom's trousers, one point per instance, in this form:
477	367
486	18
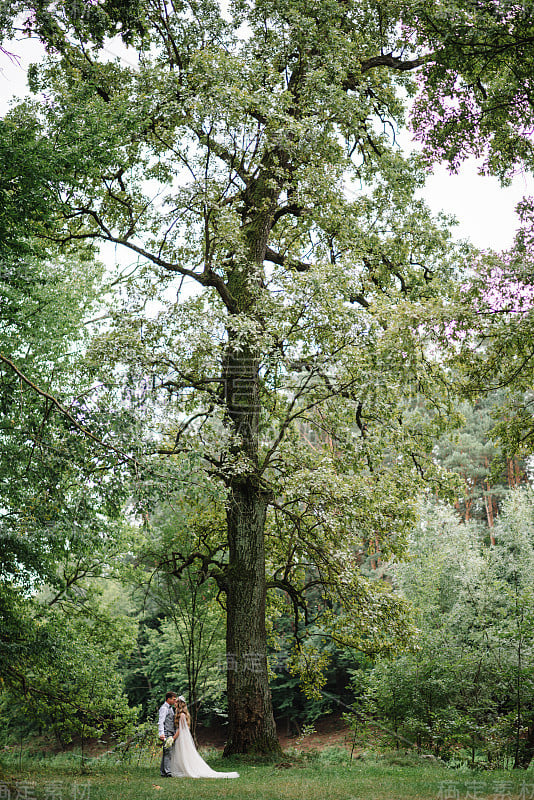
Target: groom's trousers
165	767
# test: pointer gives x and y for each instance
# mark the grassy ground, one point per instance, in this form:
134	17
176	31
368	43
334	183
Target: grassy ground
328	775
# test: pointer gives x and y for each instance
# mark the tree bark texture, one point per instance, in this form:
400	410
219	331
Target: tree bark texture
251	722
252	727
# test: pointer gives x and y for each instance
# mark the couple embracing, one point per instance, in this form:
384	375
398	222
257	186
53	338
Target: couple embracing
180	757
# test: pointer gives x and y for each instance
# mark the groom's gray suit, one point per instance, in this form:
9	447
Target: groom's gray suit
166	726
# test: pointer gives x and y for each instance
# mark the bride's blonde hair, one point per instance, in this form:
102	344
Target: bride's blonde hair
181	708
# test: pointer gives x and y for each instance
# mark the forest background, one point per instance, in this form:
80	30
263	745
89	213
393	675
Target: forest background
307	478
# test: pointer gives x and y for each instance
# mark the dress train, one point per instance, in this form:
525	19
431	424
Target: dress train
186	761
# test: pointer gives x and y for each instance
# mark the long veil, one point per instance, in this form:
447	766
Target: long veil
186	760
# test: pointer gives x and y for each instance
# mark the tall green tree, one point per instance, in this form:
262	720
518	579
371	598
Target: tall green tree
59	500
249	157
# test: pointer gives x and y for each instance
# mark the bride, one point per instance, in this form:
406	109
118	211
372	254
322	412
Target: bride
186	762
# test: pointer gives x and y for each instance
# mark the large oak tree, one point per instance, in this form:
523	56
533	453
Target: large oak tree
246	157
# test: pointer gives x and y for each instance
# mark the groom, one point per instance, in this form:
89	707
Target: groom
165	729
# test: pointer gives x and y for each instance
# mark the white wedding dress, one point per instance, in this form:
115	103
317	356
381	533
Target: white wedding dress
186	762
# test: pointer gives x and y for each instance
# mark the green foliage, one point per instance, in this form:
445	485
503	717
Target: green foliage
496	336
473	454
475	88
181	636
60	499
466	693
66	679
251	154
475	99
167	664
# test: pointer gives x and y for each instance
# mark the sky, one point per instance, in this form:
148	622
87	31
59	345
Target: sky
485	211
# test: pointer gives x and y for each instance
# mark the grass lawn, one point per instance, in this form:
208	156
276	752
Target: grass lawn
327	775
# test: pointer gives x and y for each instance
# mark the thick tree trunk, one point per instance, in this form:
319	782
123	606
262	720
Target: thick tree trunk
250	712
252	727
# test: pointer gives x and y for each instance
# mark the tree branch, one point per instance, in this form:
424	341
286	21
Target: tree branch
276	258
64	411
210	567
386	60
224	154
